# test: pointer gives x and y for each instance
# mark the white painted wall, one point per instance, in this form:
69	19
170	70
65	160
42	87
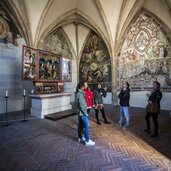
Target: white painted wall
108	99
10	79
139	99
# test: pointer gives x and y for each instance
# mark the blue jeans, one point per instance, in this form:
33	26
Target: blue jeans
83	124
124	111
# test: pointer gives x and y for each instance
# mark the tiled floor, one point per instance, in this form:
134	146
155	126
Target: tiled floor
45	145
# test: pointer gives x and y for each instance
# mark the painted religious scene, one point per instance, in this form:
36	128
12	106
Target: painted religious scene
95	64
49	66
29	63
10	38
57	43
146	54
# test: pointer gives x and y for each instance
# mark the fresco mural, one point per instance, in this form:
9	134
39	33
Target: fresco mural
57	43
9	34
145	55
95	64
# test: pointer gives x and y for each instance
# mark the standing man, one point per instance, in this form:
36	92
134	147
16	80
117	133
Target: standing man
98	95
82	119
124	96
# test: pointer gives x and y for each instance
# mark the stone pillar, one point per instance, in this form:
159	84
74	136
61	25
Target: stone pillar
115	77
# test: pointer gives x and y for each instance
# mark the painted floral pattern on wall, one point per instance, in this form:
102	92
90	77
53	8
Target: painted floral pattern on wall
146	53
95	64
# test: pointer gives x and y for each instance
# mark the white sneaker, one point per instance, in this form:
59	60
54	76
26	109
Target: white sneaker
81	140
90	142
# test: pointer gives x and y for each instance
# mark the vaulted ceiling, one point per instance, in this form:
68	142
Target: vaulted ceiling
109	18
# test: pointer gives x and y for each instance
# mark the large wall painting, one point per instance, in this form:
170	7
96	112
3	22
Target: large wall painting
145	54
57	43
95	64
9	34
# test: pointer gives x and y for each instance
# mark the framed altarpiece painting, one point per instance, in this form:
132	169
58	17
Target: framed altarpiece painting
47	70
29	63
48	66
40	65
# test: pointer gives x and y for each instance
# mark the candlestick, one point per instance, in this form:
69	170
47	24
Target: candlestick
6	93
24	93
24	96
6	98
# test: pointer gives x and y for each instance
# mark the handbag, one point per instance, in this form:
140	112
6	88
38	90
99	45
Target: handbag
152	108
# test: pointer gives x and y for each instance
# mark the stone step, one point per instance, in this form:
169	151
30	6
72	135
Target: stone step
61	114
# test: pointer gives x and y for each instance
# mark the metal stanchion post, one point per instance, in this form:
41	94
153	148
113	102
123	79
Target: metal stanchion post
24	96
6	117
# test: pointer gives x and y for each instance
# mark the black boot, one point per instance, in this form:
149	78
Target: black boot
154	135
97	116
147	131
147	118
104	117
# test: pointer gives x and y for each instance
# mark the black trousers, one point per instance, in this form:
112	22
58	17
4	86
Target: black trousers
97	114
155	121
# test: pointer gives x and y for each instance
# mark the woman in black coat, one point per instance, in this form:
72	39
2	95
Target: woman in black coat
154	97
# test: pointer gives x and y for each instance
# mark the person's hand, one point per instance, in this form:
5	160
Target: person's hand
105	88
93	106
150	101
147	94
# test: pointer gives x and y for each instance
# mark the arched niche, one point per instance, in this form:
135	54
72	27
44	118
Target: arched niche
145	53
58	43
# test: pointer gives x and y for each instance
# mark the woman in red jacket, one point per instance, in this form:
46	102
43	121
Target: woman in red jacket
88	97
